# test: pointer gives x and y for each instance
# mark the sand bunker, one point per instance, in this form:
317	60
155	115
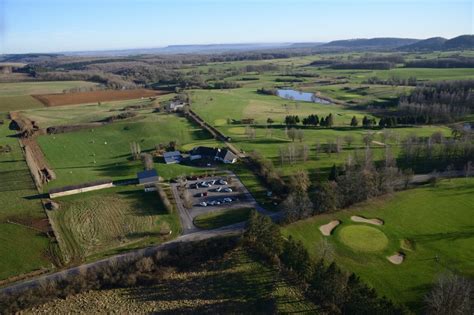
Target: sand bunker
356	218
396	259
326	229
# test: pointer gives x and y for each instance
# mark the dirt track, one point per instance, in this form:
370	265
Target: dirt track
95	96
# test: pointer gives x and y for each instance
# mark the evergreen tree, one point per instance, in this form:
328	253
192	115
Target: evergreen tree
354	121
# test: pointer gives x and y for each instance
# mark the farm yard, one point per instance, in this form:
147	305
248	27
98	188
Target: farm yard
429	225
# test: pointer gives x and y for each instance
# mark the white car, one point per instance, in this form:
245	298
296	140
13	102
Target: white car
204	184
203	204
227	200
219	189
227	189
222	182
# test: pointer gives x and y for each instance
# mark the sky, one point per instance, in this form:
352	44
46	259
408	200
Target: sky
82	25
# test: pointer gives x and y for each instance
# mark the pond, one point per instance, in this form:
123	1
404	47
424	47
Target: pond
301	96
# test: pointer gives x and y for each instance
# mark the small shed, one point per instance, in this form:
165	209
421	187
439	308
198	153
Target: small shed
172	157
147	177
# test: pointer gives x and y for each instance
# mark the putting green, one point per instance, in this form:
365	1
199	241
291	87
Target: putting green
363	238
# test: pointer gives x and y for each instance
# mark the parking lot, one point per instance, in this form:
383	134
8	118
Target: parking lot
211	194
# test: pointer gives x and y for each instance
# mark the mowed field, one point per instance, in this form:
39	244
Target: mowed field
432	226
94	96
100	222
236	283
24	248
17	96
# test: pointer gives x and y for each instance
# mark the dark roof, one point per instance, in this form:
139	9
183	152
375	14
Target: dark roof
147	174
204	151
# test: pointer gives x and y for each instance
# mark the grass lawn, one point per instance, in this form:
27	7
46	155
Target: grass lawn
423	223
99	222
219	219
22	249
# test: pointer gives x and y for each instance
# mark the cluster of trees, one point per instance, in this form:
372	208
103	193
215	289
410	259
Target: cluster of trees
311	120
226	85
366	122
458	62
358	180
333	290
442	101
437	152
267	173
265	91
293	153
391	121
370	65
393	81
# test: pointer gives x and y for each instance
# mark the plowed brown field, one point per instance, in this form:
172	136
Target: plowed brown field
95	96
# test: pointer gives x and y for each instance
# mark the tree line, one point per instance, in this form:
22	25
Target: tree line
442	101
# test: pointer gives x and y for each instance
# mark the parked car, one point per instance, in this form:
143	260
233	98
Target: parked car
227	189
227	200
204	184
222	182
219	189
203	204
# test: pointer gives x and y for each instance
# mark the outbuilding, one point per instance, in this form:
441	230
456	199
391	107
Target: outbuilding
172	157
147	177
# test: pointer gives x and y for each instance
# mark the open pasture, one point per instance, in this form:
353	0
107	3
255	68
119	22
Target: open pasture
104	152
429	225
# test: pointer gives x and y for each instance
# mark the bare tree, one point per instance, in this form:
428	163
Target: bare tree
136	150
147	160
349	139
452	294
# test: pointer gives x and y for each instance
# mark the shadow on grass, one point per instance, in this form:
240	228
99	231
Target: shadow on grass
144	203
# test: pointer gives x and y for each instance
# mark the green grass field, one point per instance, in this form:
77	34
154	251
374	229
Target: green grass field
23	249
423	223
219	219
100	222
104	152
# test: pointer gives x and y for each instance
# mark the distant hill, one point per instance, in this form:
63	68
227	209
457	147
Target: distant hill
440	43
460	42
183	49
383	43
433	43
